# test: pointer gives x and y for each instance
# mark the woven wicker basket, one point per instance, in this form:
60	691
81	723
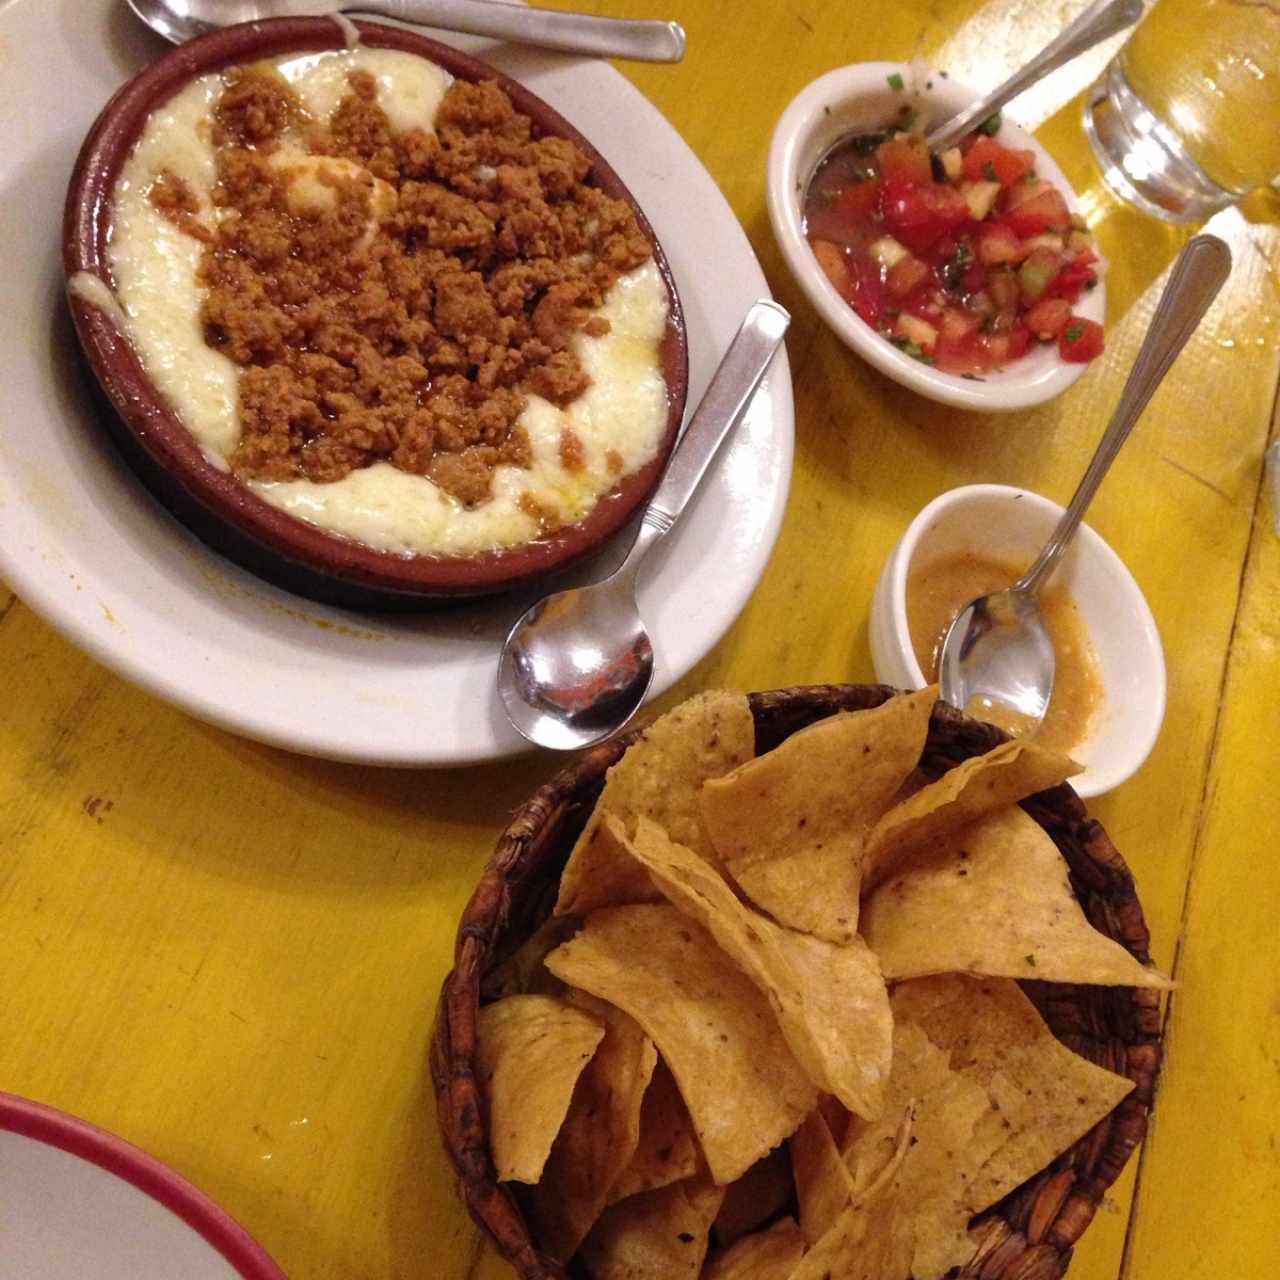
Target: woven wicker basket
1029	1235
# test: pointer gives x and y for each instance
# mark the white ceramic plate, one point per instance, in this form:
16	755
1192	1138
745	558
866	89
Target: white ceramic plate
80	1204
86	547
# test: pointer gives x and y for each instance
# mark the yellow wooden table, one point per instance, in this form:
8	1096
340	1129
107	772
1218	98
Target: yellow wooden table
230	955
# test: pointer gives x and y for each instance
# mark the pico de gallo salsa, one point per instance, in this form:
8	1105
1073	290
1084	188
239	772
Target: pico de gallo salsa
964	260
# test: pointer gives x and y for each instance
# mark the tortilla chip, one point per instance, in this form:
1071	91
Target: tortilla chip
530	1051
978	786
661	1235
874	1152
994	1098
790	826
830	1001
1049	1096
668	1149
660	777
766	1255
824	1186
995	899
599	1134
868	1241
743	1087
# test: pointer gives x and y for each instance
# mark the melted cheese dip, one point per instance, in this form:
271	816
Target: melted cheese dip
622	415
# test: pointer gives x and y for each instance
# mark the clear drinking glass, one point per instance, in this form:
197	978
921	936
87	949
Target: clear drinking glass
1186	118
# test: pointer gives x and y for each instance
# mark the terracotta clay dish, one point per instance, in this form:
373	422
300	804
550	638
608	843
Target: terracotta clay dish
210	496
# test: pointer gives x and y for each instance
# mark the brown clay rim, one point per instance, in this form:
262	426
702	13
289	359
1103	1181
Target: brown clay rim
1027	1236
161	434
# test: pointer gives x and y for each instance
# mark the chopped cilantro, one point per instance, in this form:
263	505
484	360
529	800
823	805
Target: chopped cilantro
991	125
973	377
989	172
1074	333
865	144
1031	960
895	81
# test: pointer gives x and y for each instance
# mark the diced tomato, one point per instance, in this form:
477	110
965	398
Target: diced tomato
975	278
905	159
1081	340
1001	348
987	159
866	292
961	355
859	200
1024	191
905	276
833	262
920	216
998	244
1048	317
1046	211
957	324
1074	277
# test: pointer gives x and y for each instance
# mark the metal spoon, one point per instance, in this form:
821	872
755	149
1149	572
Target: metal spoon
576	667
643	41
997	650
1100	20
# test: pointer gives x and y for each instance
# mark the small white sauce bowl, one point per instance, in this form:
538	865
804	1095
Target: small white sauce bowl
1012	525
859	99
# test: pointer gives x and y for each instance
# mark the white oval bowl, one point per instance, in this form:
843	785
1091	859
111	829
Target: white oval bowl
1012	524
859	99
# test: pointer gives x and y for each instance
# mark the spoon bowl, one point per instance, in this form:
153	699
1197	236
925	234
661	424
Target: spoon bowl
1005	659
577	665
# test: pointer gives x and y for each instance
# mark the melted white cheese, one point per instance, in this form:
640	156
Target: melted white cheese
154	265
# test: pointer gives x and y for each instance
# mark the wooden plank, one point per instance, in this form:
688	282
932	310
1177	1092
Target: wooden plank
1209	1189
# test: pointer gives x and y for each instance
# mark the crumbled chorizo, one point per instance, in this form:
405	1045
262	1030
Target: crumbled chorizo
403	305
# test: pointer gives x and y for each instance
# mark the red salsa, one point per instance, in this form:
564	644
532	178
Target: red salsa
964	260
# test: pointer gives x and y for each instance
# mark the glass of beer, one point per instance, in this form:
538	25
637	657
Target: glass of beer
1186	118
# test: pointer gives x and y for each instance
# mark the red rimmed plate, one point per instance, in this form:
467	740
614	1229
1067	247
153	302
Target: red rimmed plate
78	1203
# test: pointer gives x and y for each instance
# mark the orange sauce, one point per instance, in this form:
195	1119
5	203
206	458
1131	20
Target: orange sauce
936	593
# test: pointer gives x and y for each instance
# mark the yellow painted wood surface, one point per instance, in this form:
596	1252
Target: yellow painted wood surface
230	955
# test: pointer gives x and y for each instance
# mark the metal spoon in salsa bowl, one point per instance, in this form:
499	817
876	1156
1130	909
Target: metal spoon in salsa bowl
997	657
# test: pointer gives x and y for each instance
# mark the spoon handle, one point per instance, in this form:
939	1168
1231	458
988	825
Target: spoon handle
641	40
1101	19
1200	271
723	404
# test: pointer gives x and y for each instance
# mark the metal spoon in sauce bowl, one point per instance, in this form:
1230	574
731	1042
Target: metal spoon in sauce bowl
576	667
997	652
641	40
1102	19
